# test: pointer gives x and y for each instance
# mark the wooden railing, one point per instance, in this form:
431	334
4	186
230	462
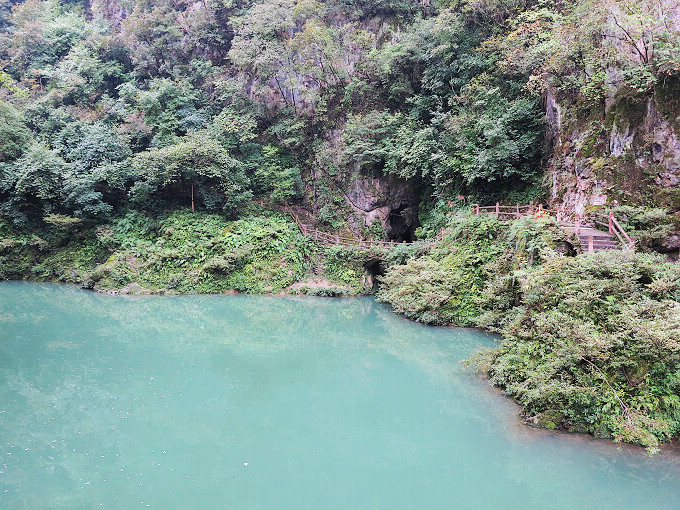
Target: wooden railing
610	222
504	212
512	211
337	239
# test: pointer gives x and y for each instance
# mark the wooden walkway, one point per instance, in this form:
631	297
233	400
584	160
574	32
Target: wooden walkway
338	240
591	239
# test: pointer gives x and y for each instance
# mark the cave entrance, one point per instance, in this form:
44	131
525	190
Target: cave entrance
401	224
373	269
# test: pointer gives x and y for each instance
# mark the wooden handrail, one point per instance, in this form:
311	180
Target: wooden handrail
614	227
618	230
501	211
338	240
517	211
512	211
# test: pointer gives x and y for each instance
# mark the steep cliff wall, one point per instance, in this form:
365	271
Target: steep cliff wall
625	146
628	151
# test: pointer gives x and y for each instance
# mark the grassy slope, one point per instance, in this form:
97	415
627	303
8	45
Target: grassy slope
181	252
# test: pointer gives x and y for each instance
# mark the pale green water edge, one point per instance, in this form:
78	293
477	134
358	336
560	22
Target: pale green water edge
160	402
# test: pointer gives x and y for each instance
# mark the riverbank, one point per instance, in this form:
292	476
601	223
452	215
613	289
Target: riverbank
589	341
179	252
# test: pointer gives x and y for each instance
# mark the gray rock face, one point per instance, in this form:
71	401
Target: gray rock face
620	141
387	199
632	156
628	146
672	243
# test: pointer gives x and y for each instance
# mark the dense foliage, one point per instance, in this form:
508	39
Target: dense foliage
292	99
590	343
442	286
145	145
107	106
181	252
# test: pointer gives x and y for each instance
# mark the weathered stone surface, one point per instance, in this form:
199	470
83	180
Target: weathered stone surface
621	140
629	149
672	243
387	199
632	156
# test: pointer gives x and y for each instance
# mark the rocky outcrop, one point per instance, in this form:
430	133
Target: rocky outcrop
627	152
626	145
389	200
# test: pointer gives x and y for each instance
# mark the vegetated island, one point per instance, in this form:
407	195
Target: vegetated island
169	147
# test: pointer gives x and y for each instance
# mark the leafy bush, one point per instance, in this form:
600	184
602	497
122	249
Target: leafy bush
198	168
590	344
40	182
14	135
277	176
345	266
187	252
442	286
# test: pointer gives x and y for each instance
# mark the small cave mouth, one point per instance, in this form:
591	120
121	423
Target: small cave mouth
374	268
401	224
566	248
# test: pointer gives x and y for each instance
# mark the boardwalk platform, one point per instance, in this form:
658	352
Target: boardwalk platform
591	238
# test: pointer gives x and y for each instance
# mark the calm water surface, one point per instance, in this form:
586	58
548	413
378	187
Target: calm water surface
276	403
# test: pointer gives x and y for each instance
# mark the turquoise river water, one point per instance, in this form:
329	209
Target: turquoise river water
243	402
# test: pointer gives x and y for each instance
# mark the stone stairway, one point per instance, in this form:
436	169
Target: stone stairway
593	240
614	237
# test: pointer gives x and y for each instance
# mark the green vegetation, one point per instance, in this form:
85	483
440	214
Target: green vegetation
443	286
208	106
193	167
14	135
649	225
181	252
153	147
138	104
589	342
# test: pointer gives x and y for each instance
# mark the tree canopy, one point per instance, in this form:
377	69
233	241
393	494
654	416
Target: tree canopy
291	99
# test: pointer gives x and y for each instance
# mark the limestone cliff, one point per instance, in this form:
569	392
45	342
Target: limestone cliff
391	201
628	151
625	146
